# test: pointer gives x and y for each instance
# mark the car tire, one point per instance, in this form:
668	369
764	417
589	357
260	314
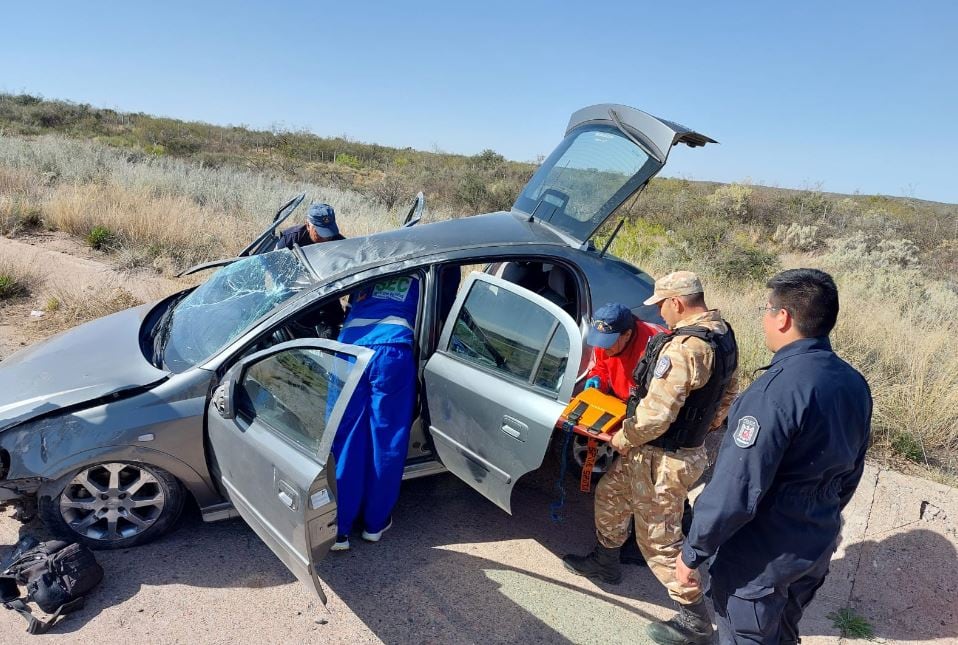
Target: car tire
113	505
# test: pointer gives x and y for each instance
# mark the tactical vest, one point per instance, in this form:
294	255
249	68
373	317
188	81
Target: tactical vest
692	423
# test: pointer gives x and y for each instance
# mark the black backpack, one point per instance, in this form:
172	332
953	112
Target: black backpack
56	574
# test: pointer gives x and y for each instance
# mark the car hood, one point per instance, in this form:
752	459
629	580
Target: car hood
94	360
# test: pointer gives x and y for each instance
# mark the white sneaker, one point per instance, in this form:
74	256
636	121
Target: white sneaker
374	537
342	544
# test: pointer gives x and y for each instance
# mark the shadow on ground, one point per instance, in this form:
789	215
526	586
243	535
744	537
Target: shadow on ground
906	585
425	581
455	568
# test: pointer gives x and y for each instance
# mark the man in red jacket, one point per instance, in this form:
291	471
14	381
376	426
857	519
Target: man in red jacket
619	339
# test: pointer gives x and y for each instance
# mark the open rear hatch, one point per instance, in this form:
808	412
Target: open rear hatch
608	154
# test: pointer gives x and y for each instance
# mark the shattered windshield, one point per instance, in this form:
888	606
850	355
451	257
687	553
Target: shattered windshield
219	310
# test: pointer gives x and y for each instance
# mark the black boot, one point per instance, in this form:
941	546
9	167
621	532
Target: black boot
602	564
691	626
631	554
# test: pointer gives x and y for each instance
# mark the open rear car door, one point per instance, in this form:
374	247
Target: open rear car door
497	384
271	424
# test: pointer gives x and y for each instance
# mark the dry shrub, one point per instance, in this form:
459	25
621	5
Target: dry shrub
896	326
17	280
136	217
899	330
68	307
20	193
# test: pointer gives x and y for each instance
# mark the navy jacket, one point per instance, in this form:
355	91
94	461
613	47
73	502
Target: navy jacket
790	462
300	236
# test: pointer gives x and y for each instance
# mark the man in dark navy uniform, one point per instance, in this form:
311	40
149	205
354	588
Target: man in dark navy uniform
320	226
790	462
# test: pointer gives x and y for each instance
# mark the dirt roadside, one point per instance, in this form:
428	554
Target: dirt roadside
66	269
456	569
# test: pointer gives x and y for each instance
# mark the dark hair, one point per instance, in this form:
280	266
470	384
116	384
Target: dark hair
694	299
810	296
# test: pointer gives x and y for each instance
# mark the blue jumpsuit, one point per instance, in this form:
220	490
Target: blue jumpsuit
789	463
372	440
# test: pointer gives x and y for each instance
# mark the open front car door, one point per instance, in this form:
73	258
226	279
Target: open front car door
502	374
263	243
271	425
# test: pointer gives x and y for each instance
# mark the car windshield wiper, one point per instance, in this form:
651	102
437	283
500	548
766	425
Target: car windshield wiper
161	332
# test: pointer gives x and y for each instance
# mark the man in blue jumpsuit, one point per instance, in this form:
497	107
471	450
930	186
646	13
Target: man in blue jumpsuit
792	459
373	438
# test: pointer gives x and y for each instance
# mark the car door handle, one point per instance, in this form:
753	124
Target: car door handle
513	427
288	496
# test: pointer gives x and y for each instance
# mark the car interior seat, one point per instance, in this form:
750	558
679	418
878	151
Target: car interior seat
559	289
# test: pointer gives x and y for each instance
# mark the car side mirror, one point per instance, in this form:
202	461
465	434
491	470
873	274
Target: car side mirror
223	399
224	396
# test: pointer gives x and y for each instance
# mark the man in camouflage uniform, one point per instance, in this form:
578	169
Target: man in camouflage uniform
686	382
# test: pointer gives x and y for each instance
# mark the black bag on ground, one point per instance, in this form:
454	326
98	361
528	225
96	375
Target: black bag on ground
56	575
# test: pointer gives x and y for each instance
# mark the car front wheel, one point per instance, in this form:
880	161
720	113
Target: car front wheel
114	505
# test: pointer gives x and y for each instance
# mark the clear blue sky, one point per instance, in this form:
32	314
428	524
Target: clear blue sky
854	95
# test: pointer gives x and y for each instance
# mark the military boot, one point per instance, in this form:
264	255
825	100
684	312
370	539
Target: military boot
631	554
602	564
691	626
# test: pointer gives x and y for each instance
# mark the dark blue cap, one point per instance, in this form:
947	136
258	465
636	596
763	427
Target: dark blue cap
608	323
323	219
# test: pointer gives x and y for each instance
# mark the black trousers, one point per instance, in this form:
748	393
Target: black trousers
771	619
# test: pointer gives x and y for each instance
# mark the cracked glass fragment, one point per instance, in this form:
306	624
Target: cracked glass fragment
220	309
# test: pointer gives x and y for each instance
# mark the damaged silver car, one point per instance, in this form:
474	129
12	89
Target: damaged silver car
229	394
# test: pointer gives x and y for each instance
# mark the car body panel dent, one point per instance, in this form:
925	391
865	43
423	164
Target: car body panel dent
97	359
172	413
479	231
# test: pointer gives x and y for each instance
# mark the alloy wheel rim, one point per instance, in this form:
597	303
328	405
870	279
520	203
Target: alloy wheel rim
111	502
603	457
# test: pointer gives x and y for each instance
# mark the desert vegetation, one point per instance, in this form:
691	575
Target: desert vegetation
162	194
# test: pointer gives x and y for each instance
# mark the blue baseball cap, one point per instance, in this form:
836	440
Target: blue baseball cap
608	323
323	219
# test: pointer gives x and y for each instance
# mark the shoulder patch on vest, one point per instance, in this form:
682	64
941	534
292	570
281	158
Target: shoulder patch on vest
662	367
746	432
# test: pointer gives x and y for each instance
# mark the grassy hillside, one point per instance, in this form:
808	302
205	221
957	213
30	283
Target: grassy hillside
165	194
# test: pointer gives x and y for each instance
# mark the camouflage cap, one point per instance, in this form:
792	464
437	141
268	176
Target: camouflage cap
679	283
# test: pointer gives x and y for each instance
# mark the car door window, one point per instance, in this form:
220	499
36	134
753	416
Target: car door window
292	393
510	335
554	361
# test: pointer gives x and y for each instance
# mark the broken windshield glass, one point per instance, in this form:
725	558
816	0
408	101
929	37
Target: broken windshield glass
220	309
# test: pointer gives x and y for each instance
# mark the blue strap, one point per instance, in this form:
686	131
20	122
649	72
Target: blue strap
557	505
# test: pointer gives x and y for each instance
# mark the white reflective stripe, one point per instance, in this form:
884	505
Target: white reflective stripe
388	320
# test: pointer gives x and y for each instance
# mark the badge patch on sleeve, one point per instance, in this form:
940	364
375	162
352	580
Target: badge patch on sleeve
746	431
662	367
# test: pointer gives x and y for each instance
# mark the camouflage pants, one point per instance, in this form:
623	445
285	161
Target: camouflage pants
651	485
